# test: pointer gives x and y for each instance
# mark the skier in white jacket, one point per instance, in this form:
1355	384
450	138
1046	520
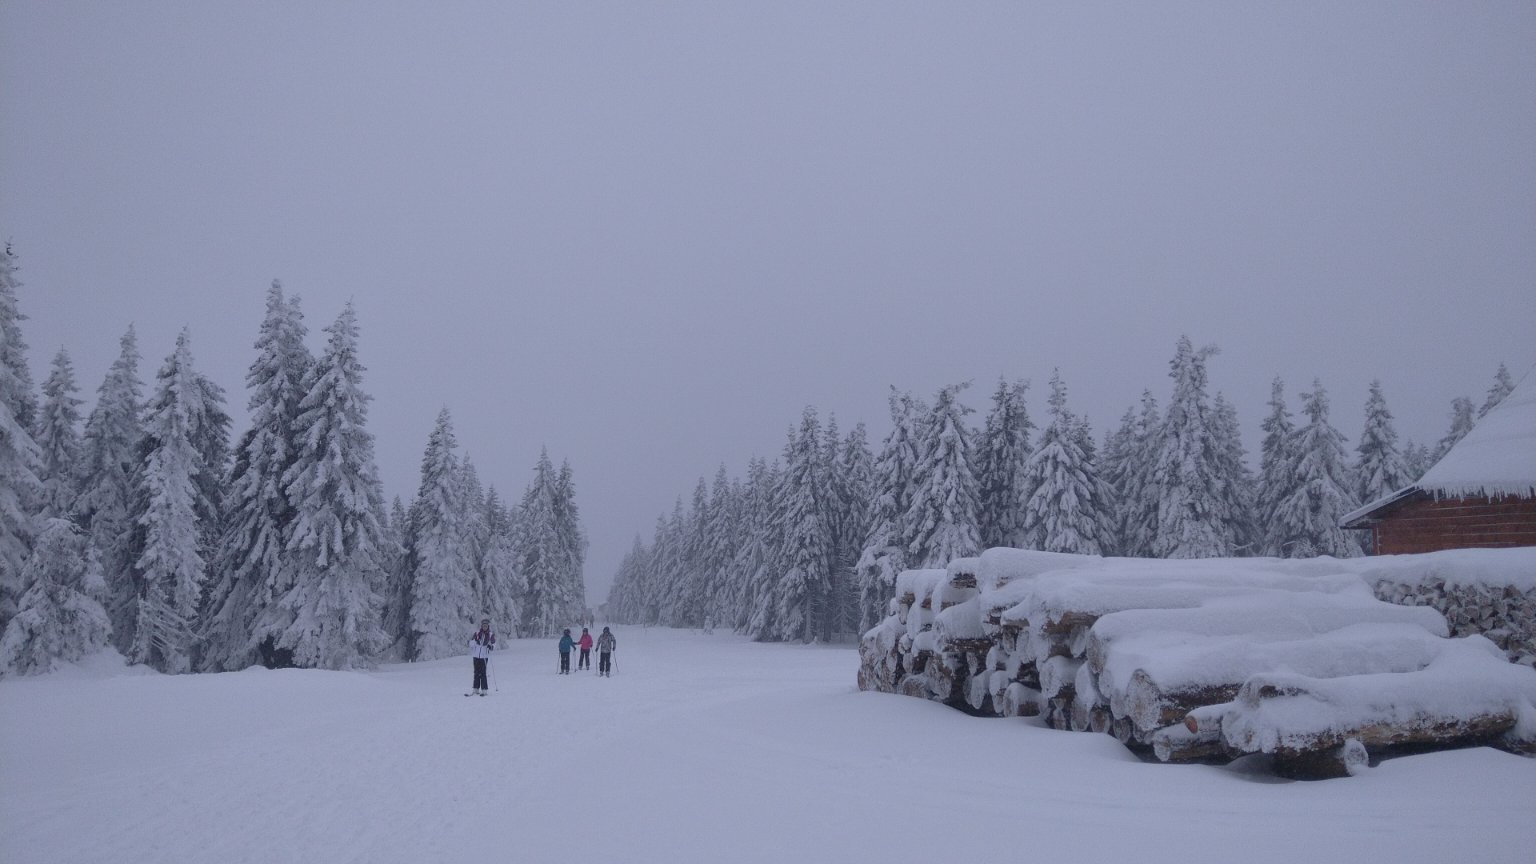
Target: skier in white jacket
481	644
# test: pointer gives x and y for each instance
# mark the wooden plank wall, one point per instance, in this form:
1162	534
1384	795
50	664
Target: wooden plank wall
1457	523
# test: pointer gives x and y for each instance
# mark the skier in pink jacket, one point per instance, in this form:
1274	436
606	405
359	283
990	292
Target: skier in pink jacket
585	644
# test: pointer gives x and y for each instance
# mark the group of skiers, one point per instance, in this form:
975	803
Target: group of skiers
605	645
483	642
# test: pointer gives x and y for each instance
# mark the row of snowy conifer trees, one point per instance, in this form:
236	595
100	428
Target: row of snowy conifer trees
808	547
148	531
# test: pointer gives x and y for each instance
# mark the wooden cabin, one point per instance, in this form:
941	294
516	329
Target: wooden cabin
1482	494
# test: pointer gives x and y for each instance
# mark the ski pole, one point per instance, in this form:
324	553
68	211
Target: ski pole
492	673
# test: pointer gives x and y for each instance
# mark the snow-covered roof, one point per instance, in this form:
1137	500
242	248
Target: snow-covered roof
1496	459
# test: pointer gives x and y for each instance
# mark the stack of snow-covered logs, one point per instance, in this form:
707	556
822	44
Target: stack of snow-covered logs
1205	660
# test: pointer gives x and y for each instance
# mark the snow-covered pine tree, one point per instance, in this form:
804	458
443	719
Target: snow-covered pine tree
942	515
884	554
252	565
1503	385
1238	493
109	461
1002	452
60	618
1277	467
1187	471
20	457
770	564
396	618
58	437
1381	469
806	549
16	385
1306	522
624	600
502	582
1116	464
855	476
542	555
1062	512
443	601
1136	492
656	579
474	530
170	569
694	588
1462	420
719	548
573	544
1415	460
330	615
755	549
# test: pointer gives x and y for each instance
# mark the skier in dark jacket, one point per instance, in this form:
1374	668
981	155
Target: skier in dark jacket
585	644
566	644
605	646
481	644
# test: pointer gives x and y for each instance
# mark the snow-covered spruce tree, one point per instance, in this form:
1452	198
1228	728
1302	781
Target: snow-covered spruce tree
543	556
1416	460
1002	452
1462	421
733	591
573	544
673	577
885	545
109	461
443	601
853	476
806	550
1503	385
60	618
473	526
16	385
1380	470
661	567
502	583
20	457
1130	478
170	568
756	551
719	547
693	587
329	617
58	437
624	601
1187	478
1238	493
1062	512
1306	522
1116	463
1277	466
762	590
252	564
396	618
945	501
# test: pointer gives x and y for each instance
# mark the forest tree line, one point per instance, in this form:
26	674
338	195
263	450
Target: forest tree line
807	547
142	525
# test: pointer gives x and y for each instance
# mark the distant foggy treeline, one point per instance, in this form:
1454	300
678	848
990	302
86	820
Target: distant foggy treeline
148	529
808	547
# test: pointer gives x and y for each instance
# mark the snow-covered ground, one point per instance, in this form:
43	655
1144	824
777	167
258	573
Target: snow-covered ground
700	748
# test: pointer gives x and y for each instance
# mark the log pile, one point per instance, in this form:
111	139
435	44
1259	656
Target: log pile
1185	660
1503	613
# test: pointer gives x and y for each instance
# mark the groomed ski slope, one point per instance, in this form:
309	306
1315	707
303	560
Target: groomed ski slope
699	749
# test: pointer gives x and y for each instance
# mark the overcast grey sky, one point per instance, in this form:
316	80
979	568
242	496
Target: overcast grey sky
645	235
